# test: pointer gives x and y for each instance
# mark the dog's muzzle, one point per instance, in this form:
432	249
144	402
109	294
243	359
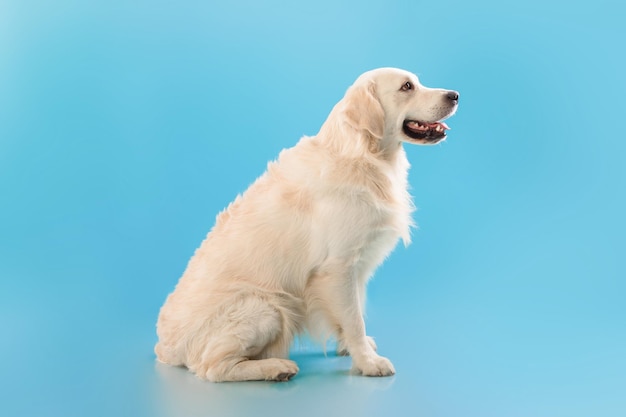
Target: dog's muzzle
425	131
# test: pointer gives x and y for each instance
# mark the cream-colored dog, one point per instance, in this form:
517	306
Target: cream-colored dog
296	250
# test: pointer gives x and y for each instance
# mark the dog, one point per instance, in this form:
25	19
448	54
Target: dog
295	251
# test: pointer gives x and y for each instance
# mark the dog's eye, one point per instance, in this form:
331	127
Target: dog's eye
407	86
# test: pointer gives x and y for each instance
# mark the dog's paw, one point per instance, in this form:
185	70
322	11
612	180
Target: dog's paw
281	370
342	350
374	366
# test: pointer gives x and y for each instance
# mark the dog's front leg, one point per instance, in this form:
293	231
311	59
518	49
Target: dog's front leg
339	290
365	360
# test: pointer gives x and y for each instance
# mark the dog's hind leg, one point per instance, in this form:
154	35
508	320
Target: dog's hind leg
244	369
249	342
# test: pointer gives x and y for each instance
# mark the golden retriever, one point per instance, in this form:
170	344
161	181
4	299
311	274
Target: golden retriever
295	251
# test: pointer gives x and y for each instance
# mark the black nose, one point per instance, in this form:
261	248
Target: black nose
453	96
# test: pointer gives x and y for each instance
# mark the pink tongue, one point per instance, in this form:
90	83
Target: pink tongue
433	125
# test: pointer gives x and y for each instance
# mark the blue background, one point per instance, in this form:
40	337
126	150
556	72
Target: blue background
126	126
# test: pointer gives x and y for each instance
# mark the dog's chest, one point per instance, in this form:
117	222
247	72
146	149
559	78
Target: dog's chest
359	220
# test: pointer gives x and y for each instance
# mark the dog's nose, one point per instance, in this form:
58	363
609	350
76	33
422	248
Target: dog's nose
453	96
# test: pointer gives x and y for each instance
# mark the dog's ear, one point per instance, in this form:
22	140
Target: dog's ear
363	109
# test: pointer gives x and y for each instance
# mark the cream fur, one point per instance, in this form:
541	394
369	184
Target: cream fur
295	251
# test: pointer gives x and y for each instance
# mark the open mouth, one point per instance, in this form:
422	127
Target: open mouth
430	132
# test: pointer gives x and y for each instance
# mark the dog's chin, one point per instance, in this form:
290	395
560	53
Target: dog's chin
424	133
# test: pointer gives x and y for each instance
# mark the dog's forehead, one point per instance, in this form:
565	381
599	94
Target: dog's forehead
386	74
390	77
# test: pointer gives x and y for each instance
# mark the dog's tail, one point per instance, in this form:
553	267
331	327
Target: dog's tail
160	354
165	354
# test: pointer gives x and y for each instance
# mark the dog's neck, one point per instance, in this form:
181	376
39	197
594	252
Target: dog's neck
390	147
347	140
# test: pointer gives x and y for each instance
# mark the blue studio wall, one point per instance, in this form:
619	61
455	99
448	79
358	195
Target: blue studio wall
125	127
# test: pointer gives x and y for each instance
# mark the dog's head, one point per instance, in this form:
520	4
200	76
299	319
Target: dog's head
390	104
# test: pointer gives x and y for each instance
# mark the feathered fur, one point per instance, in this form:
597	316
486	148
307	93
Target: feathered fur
294	252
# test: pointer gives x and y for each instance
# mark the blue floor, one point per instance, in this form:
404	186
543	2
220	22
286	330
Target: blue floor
125	127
